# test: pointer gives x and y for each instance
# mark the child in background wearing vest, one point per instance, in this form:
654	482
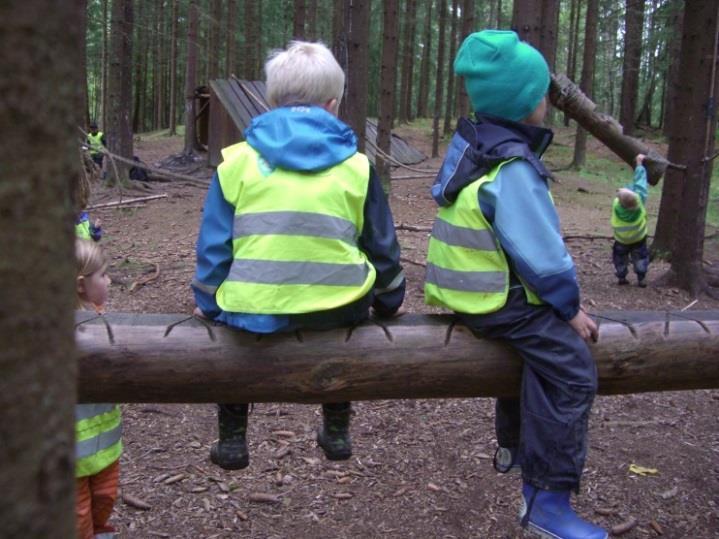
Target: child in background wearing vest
98	427
496	257
629	222
84	228
296	231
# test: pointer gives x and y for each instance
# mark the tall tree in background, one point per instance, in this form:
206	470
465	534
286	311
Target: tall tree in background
692	143
467	28
672	79
215	38
252	36
451	77
423	96
40	45
388	75
630	68
190	80
656	49
298	22
231	38
83	119
439	85
357	15
405	85
587	82
575	16
105	60
141	65
311	30
119	126
172	123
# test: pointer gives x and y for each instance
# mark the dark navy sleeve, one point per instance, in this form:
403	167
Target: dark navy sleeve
214	249
95	232
379	242
523	217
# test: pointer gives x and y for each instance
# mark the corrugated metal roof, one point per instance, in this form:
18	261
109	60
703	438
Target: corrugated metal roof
239	101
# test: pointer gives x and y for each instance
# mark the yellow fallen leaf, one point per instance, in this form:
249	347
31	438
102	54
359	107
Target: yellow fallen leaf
641	470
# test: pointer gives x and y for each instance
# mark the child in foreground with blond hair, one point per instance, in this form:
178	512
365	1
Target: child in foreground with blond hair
98	427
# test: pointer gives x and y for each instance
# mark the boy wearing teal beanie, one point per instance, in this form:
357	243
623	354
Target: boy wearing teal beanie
497	259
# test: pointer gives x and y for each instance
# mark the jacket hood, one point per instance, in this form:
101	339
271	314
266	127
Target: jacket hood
478	147
301	137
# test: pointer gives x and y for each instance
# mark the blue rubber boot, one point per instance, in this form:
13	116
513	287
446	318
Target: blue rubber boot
548	514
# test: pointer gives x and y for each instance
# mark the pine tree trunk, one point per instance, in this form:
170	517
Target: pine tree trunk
214	40
190	80
630	67
298	22
41	47
672	81
573	47
388	76
173	71
358	15
230	43
83	117
119	127
439	85
105	61
142	64
587	82
405	101
423	97
463	105
311	20
452	78
251	58
693	138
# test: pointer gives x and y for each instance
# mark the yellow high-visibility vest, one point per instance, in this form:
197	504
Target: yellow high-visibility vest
98	437
629	232
294	235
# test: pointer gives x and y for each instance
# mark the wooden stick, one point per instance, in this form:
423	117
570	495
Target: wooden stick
125	202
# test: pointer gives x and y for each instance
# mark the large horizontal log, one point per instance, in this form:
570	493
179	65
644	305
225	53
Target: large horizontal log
567	97
170	358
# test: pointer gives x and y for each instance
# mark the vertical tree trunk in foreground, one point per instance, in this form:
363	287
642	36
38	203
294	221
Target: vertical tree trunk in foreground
39	161
388	75
587	82
692	139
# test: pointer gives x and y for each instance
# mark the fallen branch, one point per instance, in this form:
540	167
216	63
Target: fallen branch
125	202
137	503
412	228
147	279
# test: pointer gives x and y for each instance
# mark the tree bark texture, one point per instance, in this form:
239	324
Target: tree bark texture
388	75
423	94
358	16
463	104
172	119
119	126
41	51
693	138
574	17
231	38
587	81
630	68
439	84
405	92
153	358
190	79
567	97
252	36
452	79
215	38
298	22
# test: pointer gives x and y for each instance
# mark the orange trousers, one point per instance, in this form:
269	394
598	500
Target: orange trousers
94	498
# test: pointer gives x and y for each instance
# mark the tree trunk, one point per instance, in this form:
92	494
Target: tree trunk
672	81
693	138
231	39
423	97
357	16
463	105
565	95
298	22
172	119
214	40
119	126
190	81
105	61
83	116
587	82
630	68
412	357
405	100
252	35
388	76
41	47
452	78
439	85
574	19
311	20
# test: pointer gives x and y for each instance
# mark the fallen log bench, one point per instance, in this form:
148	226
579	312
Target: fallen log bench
176	358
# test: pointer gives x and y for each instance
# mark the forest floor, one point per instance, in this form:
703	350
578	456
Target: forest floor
421	468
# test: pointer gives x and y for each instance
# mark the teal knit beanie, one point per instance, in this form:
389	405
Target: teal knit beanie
503	76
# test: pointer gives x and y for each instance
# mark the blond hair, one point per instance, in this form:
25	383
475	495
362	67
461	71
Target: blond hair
628	199
304	73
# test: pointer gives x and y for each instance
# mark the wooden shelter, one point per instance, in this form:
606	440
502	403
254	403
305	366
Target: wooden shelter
233	104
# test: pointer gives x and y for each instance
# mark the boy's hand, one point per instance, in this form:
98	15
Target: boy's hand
639	159
97	223
584	326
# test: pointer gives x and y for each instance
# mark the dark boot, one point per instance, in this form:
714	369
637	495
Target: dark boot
334	436
230	452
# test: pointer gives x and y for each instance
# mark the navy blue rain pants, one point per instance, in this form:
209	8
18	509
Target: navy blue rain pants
636	252
559	380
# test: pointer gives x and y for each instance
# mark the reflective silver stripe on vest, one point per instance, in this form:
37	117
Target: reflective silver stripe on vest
95	444
284	272
396	282
85	411
293	223
628	228
206	288
466	281
105	535
460	236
